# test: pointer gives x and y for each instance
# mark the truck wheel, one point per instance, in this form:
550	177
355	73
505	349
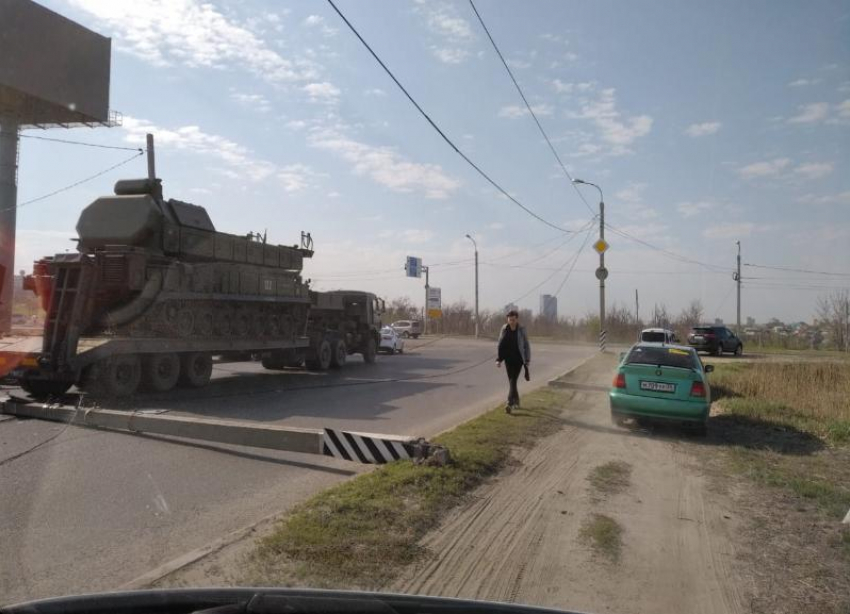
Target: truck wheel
338	353
370	352
195	369
274	362
322	360
41	389
118	376
160	372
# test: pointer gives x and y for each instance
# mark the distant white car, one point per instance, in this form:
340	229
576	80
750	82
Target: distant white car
658	335
391	341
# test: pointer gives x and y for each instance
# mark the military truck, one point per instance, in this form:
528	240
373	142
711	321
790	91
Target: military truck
154	292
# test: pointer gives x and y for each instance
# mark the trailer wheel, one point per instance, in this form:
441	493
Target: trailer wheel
195	369
42	389
160	372
371	351
322	360
338	353
274	361
118	376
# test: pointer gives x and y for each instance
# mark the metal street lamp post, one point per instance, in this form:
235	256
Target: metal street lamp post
601	272
476	283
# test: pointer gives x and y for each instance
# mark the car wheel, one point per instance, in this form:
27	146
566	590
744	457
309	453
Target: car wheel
718	351
406	335
739	350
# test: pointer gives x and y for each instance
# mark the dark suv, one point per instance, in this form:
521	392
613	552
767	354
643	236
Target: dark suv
715	340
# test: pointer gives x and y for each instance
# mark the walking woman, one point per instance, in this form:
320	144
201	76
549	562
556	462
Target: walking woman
515	352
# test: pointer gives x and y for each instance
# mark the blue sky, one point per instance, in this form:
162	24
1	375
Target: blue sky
704	123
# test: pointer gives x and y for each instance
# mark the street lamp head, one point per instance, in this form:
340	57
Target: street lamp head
578	181
468	237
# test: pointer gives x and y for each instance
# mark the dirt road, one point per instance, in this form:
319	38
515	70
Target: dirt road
520	538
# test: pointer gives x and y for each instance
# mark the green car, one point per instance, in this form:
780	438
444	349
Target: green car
656	380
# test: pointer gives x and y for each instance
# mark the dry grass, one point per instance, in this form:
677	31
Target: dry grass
611	478
604	535
811	396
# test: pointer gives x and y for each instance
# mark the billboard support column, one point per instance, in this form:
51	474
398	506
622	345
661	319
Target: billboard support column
8	217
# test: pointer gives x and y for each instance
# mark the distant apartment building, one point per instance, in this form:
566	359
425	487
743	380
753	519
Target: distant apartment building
549	307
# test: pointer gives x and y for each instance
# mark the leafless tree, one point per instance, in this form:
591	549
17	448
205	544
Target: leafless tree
834	314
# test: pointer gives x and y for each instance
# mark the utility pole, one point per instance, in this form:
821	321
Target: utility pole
738	281
425	305
476	283
601	273
8	217
637	311
151	159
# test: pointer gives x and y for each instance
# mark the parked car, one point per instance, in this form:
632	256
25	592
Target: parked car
715	340
655	380
658	335
391	341
407	328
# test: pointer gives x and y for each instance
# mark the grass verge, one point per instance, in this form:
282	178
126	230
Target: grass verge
812	397
360	533
611	478
604	535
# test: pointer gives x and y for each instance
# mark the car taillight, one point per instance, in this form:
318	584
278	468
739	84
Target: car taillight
697	389
620	380
709	335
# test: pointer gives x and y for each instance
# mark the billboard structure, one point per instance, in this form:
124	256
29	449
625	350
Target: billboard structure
54	73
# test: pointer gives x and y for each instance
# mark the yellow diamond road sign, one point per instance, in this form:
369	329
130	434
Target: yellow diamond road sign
601	246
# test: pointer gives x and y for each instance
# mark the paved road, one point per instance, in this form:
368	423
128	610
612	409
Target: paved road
90	510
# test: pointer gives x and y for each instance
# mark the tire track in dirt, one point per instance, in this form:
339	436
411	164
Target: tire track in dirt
518	539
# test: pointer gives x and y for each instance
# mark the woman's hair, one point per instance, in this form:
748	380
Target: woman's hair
514	313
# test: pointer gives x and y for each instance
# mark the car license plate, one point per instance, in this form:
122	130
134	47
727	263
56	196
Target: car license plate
658	386
699	338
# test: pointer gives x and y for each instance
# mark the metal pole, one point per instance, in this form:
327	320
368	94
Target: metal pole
602	266
8	217
151	159
637	312
425	311
476	292
738	280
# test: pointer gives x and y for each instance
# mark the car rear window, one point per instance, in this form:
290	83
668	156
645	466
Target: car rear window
701	331
664	357
654	337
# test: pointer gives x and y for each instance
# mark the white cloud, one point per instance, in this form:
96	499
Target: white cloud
690	209
801	83
563	88
842	198
518	64
703	129
811	113
515	111
194	34
844	109
415	235
496	226
322	92
385	166
814	170
238	160
317	21
296	124
376	91
769	168
729	231
631	194
618	131
296	177
257	102
450	55
445	22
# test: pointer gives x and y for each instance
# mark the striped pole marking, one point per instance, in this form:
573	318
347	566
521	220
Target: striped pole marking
602	335
366	448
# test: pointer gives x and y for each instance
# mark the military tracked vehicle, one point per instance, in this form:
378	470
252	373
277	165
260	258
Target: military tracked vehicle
155	292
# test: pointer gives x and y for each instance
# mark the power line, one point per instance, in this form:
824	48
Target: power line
572	258
578	253
84	144
439	131
793	270
528	106
670	254
80	182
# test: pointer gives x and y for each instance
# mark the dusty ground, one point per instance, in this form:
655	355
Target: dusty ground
519	538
